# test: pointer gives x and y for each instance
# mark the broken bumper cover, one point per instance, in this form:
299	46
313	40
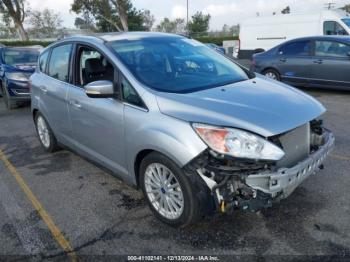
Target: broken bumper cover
282	183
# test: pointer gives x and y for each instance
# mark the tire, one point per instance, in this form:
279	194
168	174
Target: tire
46	137
273	74
155	164
9	103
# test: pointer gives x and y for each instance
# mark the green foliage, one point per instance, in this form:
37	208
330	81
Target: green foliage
176	26
346	8
207	39
199	24
215	40
26	43
114	15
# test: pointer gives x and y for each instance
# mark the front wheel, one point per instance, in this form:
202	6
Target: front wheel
168	191
273	74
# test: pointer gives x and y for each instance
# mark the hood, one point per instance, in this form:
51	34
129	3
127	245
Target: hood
259	105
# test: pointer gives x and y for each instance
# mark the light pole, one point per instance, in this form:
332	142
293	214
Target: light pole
187	19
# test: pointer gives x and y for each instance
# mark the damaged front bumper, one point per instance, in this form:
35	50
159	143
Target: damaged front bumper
252	187
281	184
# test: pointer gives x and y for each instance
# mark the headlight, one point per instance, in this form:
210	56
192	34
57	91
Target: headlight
238	143
17	76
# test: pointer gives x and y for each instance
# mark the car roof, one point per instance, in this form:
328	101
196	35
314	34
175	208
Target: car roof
108	37
324	37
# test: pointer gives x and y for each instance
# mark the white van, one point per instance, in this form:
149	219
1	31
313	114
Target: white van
262	33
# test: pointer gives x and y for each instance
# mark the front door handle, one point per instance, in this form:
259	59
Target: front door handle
319	61
75	104
283	60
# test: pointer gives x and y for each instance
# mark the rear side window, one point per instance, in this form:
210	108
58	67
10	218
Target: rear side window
331	49
59	62
333	28
301	48
43	61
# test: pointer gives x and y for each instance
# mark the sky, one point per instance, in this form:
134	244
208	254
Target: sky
222	12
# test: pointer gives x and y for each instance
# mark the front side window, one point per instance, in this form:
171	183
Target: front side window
43	60
301	48
20	56
129	93
331	49
93	66
59	62
333	28
176	64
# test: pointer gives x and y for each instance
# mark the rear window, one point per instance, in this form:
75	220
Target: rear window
59	62
301	48
20	56
43	61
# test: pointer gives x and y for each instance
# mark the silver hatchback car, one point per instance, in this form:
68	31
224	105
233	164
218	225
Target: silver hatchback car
198	133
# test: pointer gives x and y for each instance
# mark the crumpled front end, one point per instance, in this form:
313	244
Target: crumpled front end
253	185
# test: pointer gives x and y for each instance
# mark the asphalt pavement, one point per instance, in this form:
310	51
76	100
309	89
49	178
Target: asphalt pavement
101	217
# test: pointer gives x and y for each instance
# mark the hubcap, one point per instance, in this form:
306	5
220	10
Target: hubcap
164	191
271	75
43	132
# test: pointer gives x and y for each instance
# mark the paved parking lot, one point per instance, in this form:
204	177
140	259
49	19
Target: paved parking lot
96	214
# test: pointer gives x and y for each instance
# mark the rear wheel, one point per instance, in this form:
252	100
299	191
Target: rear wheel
168	191
45	134
273	74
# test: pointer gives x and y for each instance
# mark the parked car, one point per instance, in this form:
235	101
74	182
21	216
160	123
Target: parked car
16	66
217	48
195	131
262	33
322	61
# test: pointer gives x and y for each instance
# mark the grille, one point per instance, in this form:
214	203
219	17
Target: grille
296	145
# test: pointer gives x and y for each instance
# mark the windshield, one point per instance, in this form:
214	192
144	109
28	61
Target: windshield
346	21
176	64
20	56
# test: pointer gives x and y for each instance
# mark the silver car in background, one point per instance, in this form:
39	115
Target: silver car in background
196	132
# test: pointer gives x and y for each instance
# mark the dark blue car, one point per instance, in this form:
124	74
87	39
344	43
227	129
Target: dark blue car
16	66
319	61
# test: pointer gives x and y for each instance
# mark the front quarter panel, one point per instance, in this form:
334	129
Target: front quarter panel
152	130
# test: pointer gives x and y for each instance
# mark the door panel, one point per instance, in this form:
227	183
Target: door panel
98	128
331	64
294	61
53	92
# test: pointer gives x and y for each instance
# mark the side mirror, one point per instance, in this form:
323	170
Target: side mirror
100	89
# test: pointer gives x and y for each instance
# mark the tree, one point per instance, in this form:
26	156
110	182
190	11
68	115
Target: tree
45	22
176	26
85	23
148	19
346	8
199	24
286	10
112	15
15	10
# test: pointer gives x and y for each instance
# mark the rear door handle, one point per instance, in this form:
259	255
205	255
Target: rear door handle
43	89
283	60
75	104
319	61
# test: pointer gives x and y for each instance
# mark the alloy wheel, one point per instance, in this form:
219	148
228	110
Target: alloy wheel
164	191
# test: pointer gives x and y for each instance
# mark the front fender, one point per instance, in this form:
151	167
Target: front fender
170	136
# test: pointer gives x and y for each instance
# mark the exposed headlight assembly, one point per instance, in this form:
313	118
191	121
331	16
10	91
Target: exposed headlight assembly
238	143
17	76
